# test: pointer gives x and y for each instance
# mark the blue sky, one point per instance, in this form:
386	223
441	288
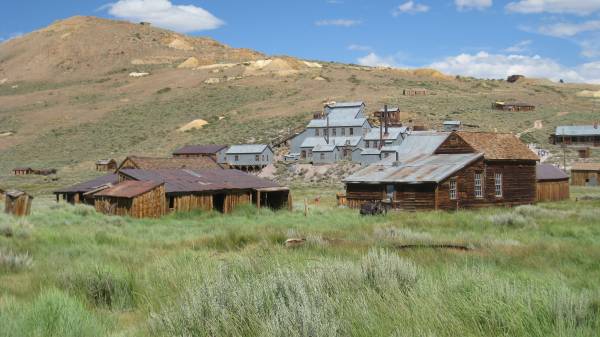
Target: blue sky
482	38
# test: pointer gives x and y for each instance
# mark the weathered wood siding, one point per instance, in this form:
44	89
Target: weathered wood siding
414	197
553	190
358	194
454	145
20	206
235	199
584	178
151	204
190	202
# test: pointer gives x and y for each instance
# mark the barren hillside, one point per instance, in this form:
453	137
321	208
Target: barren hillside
87	88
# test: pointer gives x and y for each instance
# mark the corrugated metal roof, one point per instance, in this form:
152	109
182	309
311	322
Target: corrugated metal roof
199	149
247	148
90	185
422	142
370	152
550	172
419	169
393	133
182	181
586	167
345	104
311	142
129	189
324	148
577	130
337	122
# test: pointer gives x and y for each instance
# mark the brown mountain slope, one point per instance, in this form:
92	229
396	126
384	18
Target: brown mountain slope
84	47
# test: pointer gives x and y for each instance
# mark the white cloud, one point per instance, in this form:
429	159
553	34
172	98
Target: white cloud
581	7
359	47
564	29
163	13
410	7
374	60
472	4
590	48
485	65
519	47
338	22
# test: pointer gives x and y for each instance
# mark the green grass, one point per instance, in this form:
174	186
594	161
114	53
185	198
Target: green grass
530	271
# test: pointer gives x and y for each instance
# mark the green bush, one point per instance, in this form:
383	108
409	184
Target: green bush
51	314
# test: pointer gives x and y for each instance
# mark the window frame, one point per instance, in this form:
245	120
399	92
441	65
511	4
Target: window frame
236	158
498	185
453	189
478	185
351	132
317	132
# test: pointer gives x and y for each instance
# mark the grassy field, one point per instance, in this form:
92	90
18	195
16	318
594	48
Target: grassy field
528	271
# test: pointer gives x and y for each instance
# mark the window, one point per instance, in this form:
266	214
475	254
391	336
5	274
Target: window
375	144
478	185
257	158
322	156
316	132
351	131
453	189
237	158
498	184
343	131
387	154
334	132
263	157
366	143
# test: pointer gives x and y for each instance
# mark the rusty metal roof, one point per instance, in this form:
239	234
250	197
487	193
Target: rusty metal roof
129	189
199	149
185	181
585	167
90	185
417	169
550	172
151	163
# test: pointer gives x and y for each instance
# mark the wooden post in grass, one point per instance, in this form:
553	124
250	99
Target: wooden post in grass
305	207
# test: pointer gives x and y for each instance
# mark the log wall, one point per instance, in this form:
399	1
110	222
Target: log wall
190	202
553	190
578	178
358	194
151	204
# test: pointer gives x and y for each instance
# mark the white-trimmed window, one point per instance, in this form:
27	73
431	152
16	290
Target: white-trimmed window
366	143
316	132
343	131
478	185
452	189
334	132
498	185
322	156
351	131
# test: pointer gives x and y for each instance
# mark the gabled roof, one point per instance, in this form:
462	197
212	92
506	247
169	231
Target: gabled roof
150	163
199	149
338	122
129	189
324	148
421	142
16	194
105	161
586	167
577	130
393	133
344	110
498	146
90	185
205	180
419	169
546	172
247	149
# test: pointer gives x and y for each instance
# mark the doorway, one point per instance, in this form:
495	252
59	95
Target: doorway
219	202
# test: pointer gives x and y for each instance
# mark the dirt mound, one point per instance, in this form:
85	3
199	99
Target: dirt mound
190	63
180	44
589	93
195	124
425	72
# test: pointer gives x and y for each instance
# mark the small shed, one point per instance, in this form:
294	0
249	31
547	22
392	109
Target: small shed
414	92
249	157
452	126
585	174
513	106
138	199
17	203
106	165
22	171
392	113
552	183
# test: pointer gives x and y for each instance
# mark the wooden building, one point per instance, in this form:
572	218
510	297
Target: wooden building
84	192
467	170
151	163
576	135
210	189
17	203
249	157
2	194
216	152
22	171
585	174
552	183
389	115
414	92
513	106
450	126
138	199
106	165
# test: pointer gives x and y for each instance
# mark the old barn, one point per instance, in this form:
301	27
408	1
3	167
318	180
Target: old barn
552	183
17	203
585	174
137	199
513	106
467	170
